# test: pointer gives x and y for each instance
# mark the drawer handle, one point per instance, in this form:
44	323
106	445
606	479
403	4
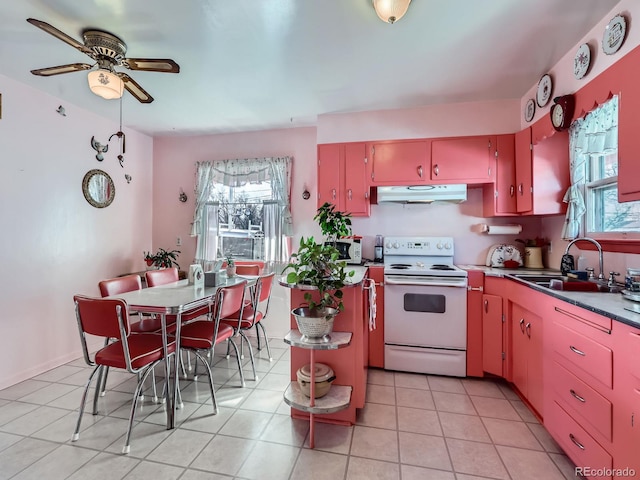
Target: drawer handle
575	350
486	306
522	325
577	443
528	328
576	396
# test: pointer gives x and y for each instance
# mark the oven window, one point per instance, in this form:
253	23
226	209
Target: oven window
423	302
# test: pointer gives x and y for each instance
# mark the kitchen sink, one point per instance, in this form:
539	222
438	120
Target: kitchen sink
561	282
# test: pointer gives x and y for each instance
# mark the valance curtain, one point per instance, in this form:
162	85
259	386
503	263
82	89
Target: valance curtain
596	134
238	172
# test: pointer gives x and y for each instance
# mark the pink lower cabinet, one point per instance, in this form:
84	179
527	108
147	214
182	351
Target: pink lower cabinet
579	400
626	415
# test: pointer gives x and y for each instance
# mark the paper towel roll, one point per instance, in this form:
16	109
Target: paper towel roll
502	229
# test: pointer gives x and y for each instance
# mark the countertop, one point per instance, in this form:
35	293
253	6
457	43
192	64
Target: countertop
358	277
612	305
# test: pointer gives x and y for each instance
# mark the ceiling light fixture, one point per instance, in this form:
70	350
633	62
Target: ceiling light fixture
105	84
391	11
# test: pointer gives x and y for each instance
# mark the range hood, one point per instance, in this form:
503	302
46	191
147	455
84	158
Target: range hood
454	193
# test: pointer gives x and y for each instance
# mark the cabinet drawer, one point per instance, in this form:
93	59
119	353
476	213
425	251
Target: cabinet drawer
634	343
575	441
581	400
585	316
593	358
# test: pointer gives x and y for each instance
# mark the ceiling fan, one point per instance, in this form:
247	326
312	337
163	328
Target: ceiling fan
108	52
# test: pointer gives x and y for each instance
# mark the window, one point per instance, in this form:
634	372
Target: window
243	209
604	213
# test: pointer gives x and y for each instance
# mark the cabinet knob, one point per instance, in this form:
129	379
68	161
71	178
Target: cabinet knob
420	171
333	193
512	190
521	325
436	170
520	190
350	194
528	329
486	306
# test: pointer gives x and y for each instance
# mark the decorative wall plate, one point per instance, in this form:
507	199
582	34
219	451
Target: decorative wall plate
614	34
529	110
545	87
582	61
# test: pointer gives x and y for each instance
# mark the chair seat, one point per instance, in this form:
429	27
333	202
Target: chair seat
248	319
198	335
189	315
144	348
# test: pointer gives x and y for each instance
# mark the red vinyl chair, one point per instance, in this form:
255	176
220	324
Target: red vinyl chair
247	269
253	314
164	276
203	335
136	353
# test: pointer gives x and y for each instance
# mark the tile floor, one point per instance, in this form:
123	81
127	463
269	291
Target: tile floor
412	427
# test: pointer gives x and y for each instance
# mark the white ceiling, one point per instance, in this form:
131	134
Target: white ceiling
258	64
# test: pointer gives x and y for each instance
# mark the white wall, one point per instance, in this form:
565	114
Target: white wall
53	243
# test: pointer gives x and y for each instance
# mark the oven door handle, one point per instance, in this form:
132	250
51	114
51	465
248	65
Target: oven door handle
444	282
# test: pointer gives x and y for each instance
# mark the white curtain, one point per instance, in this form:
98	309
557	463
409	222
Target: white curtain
277	221
596	134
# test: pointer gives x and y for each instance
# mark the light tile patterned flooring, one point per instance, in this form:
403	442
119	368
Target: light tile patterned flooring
412	427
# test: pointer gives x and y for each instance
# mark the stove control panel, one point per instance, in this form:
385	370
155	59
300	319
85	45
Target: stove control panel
418	246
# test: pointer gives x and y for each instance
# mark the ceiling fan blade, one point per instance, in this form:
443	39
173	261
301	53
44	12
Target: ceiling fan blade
50	29
71	67
165	65
134	89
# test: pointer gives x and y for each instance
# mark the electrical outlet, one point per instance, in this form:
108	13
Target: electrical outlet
179	241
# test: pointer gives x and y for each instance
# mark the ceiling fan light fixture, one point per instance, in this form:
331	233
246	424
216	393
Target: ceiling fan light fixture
390	11
105	84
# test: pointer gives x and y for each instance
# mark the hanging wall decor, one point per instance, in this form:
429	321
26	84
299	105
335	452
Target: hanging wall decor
100	148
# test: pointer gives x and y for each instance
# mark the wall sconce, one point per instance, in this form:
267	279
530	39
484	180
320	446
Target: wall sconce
391	11
183	196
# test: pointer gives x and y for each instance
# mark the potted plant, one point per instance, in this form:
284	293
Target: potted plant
333	223
317	267
162	258
231	267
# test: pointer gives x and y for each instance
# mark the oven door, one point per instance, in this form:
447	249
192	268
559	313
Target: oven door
426	312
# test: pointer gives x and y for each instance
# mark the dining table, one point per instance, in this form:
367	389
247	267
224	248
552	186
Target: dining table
175	298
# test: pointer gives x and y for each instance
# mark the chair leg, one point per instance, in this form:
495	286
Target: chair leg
143	376
235	347
213	392
76	434
227	355
266	339
153	385
258	336
103	387
253	364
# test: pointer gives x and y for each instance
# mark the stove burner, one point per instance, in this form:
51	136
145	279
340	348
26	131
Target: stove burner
400	266
441	267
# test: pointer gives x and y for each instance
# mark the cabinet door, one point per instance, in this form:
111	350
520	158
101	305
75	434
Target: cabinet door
519	348
376	337
492	349
356	195
505	174
474	323
400	163
465	160
524	172
329	188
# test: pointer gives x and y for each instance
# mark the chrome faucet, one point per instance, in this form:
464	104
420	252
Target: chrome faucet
598	246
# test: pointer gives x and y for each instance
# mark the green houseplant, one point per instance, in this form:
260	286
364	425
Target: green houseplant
333	223
315	266
162	258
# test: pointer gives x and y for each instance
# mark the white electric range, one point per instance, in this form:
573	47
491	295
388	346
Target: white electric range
425	308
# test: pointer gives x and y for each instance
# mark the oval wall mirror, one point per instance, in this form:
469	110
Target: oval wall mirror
98	188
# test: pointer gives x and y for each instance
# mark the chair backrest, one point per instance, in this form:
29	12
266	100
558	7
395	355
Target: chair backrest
114	286
266	282
260	263
102	317
229	300
162	276
248	269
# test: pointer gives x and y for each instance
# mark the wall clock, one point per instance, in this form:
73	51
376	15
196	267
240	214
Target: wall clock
545	87
562	112
529	110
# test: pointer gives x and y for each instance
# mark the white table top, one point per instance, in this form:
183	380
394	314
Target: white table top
175	297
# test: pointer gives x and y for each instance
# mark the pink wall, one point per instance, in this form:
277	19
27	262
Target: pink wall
55	244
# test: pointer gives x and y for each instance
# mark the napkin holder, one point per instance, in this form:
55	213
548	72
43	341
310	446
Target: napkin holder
196	275
211	279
